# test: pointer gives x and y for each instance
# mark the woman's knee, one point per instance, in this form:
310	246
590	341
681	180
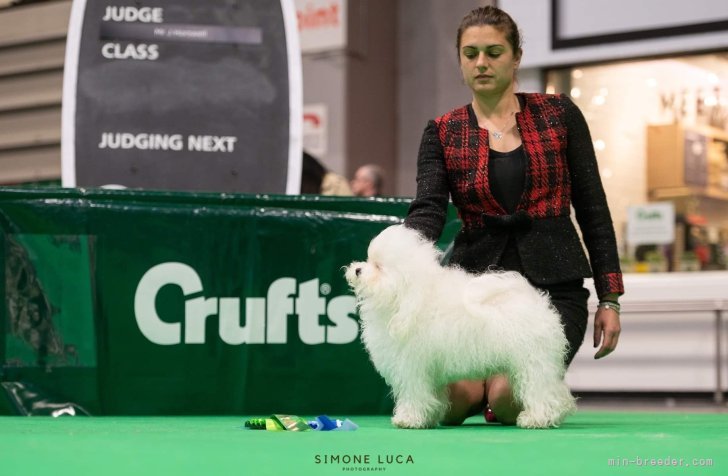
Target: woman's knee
466	399
501	400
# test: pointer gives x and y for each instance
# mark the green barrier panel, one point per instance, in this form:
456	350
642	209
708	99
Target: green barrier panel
131	302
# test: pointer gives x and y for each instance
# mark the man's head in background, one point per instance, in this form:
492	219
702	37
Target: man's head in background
367	181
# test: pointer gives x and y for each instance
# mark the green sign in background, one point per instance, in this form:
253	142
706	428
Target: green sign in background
73	260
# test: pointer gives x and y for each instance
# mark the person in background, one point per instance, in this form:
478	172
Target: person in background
367	181
514	164
316	179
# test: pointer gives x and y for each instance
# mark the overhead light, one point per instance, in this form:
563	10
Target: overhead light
575	93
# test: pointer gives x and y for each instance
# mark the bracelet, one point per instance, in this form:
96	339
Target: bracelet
610	305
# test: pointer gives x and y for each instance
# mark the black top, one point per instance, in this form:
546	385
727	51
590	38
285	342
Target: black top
507	176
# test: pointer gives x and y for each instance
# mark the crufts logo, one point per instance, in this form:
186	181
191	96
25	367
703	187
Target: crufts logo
266	319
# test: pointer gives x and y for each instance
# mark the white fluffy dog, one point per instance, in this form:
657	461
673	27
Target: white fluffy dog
426	326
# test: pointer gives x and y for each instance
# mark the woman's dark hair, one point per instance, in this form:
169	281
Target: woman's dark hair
496	18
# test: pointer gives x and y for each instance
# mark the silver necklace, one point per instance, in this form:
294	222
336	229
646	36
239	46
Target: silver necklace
498	135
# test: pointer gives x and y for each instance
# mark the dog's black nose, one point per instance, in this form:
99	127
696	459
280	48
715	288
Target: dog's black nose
357	271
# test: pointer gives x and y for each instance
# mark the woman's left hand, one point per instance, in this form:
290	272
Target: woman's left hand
606	331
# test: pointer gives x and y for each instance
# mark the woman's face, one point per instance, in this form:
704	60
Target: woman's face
487	60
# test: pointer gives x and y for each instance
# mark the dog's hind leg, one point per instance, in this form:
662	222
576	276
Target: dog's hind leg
545	397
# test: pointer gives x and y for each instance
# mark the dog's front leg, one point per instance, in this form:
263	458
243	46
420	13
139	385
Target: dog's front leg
418	404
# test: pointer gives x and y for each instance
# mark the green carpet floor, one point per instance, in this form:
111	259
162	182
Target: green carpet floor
589	444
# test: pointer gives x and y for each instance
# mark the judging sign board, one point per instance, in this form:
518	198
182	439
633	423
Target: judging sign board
183	95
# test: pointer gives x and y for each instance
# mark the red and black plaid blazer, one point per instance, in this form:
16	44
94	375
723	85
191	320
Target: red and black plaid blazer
561	171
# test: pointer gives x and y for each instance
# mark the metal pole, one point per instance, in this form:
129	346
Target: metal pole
718	358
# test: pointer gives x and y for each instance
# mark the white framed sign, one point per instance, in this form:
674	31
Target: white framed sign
316	129
652	223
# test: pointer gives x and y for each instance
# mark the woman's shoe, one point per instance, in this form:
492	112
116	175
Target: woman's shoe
489	415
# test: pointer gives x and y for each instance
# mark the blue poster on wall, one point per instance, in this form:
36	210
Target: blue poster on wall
183	95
